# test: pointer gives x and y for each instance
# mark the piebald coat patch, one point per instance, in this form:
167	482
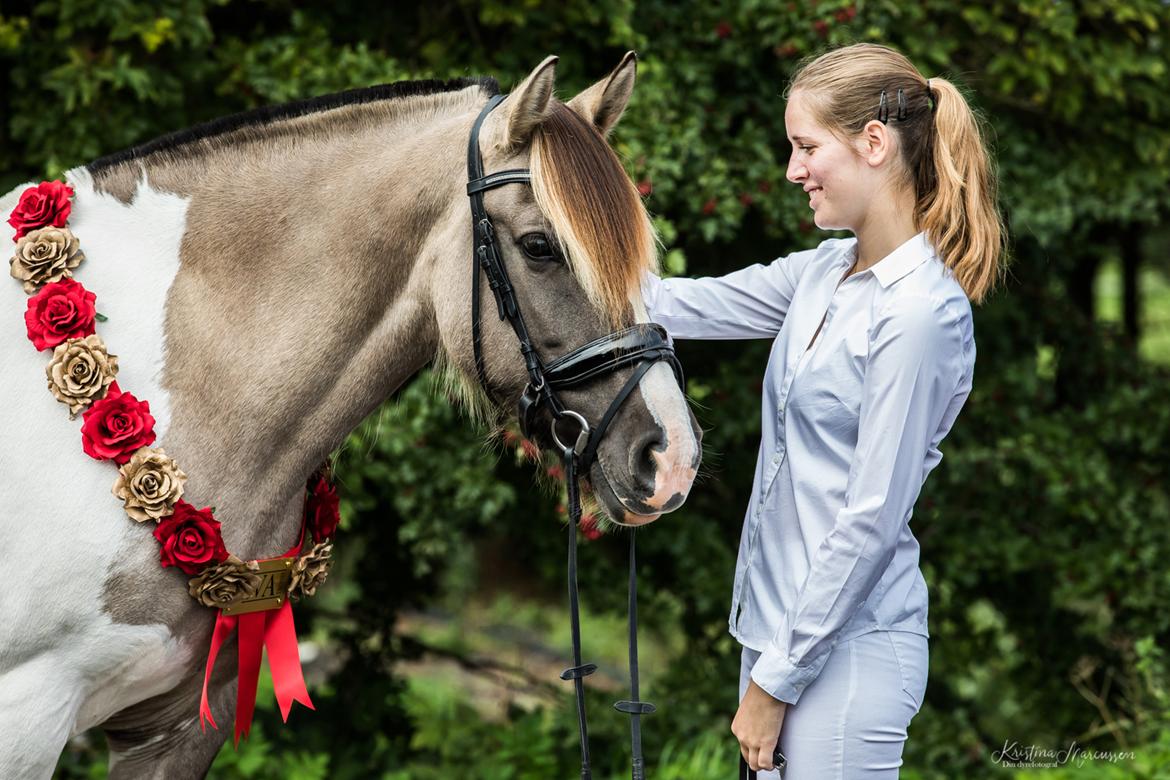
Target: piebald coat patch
65	665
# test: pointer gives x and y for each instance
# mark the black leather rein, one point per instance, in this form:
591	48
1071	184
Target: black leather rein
640	346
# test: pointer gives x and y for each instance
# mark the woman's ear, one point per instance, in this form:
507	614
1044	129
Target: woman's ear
876	143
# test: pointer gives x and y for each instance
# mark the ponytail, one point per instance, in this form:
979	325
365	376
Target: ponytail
944	152
959	212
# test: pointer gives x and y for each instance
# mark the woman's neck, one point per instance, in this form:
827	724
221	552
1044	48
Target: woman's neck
889	224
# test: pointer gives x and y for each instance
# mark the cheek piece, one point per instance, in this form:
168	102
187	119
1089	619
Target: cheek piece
639	346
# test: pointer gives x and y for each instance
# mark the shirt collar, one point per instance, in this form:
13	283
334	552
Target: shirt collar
900	262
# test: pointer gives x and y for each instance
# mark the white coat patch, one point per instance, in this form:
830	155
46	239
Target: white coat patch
666	403
64	665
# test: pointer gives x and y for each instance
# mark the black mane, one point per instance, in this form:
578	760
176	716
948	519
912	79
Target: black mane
267	114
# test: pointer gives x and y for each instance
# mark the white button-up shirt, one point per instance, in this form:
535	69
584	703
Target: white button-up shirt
851	428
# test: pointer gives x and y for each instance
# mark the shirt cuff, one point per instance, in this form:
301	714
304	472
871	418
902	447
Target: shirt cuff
780	679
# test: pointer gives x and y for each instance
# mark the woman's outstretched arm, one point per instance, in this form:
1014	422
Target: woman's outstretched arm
745	304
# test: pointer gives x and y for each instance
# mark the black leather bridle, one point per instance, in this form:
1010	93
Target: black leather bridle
641	346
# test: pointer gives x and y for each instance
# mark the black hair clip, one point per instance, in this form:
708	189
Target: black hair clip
884	109
930	96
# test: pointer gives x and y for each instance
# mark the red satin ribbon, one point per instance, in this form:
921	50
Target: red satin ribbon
272	629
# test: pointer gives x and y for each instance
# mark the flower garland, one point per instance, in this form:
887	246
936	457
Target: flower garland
117	426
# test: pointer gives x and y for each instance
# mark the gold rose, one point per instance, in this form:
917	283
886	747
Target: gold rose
45	255
309	570
149	484
219	586
81	372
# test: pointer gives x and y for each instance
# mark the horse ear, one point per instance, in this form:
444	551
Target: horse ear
602	104
528	104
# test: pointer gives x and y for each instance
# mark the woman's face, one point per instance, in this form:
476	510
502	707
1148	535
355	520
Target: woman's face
833	173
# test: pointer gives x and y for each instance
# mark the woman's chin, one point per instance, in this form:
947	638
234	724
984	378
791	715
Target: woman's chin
826	222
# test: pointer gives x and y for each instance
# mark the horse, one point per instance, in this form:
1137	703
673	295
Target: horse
267	280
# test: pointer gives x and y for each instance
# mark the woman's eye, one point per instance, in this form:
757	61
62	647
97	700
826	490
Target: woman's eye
537	246
806	148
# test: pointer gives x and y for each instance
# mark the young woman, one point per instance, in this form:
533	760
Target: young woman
873	358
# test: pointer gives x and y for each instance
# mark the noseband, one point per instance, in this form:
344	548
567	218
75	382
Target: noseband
640	346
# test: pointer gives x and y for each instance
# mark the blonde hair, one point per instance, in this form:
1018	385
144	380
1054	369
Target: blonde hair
944	151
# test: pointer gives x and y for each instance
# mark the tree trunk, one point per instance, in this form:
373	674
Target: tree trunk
1131	261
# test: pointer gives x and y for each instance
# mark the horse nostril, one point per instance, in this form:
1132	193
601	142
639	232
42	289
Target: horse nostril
643	464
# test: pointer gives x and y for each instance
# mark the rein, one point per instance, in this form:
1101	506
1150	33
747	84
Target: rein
641	346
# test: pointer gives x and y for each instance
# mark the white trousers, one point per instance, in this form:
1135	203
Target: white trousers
850	722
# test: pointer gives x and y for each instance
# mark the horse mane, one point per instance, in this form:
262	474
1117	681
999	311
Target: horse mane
595	211
267	115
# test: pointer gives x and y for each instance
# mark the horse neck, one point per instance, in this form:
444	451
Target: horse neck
299	305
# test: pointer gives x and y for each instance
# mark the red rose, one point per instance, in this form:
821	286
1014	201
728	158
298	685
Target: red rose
45	204
116	426
61	310
322	512
190	539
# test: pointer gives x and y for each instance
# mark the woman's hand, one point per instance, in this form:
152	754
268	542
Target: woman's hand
757	726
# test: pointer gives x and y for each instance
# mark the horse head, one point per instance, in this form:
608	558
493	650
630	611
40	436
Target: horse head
576	242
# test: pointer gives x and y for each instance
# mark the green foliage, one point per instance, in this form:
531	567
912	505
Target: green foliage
1045	529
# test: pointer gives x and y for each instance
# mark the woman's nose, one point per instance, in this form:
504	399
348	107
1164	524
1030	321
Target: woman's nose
796	171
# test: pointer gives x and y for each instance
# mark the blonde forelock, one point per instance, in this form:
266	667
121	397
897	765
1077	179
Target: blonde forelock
595	212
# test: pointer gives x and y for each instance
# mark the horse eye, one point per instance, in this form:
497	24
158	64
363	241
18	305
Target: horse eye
537	246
